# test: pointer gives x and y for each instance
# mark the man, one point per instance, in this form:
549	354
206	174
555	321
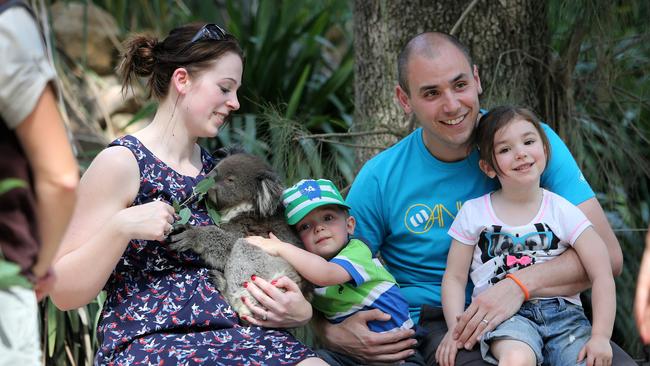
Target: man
406	197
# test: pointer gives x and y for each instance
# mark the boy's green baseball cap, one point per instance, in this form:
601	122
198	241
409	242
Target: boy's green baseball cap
308	194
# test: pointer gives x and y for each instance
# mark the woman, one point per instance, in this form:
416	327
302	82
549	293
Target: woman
161	306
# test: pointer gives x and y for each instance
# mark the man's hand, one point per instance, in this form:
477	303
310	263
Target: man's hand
487	311
353	337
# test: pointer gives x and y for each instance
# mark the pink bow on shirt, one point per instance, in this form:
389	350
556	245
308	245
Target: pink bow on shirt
524	260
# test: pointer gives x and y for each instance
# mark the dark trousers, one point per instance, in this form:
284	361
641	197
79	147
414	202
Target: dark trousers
433	320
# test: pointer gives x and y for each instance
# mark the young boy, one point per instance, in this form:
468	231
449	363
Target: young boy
351	279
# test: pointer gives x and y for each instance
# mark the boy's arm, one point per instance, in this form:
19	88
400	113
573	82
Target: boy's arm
312	267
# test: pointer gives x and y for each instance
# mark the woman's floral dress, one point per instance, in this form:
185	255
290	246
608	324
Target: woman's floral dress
162	309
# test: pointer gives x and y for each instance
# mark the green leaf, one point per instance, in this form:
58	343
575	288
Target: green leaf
185	215
8	184
297	93
212	212
176	205
203	186
10	276
51	327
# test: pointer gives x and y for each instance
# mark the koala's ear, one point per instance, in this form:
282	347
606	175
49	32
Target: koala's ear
268	193
227	151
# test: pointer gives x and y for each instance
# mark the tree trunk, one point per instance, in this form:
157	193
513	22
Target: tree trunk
507	39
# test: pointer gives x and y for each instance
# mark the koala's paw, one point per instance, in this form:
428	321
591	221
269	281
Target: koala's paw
235	300
183	237
218	280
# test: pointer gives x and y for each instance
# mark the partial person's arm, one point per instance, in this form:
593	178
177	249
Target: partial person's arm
102	225
312	267
642	298
56	174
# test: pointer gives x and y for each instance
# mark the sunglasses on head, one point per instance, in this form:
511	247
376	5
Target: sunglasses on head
209	31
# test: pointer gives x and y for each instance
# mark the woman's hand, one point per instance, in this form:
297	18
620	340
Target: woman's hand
150	221
281	309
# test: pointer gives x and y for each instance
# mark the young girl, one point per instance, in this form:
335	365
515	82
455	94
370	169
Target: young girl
517	226
160	305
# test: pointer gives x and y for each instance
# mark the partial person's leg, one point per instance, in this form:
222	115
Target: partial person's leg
433	320
510	352
19	334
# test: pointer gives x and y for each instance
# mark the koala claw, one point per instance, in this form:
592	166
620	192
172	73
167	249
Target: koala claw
181	240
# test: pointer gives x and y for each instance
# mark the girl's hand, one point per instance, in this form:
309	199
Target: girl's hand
150	221
447	350
598	352
271	245
281	309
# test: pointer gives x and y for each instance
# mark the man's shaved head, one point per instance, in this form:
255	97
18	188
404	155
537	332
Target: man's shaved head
426	45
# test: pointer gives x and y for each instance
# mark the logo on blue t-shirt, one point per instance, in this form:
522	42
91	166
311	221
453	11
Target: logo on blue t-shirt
420	218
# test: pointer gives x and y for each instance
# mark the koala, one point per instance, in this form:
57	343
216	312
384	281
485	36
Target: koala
247	195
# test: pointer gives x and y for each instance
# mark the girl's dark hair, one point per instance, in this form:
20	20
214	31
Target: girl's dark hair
496	119
146	56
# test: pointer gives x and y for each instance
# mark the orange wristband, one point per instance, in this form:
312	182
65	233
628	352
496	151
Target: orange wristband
520	284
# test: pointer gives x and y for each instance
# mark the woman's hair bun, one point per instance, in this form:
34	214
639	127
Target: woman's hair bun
140	54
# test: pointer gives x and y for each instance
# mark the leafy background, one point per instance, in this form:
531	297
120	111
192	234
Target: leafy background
297	106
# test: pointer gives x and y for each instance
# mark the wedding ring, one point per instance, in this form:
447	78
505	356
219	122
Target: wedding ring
485	321
264	317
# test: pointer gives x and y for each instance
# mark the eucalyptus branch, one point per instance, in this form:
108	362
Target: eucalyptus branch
198	192
357	146
344	134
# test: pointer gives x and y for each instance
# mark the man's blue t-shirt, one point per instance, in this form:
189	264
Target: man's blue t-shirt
404	200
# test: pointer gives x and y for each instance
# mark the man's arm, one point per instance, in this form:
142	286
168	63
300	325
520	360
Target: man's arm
565	275
594	212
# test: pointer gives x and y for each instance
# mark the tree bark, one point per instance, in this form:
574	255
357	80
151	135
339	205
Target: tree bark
507	39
